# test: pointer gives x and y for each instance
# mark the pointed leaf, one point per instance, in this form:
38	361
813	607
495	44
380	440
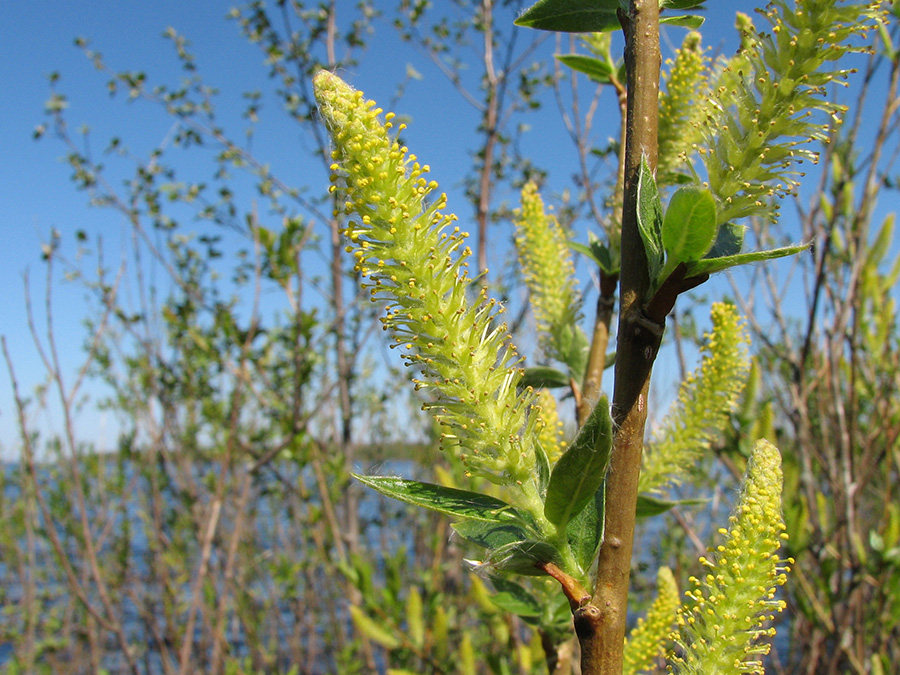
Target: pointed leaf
596	69
691	21
544	376
453	502
580	471
729	241
649	217
585	531
599	253
571	16
542	466
712	265
680	4
689	226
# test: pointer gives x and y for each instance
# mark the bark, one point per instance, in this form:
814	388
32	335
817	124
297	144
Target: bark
600	624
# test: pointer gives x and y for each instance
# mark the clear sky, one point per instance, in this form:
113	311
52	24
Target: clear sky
36	194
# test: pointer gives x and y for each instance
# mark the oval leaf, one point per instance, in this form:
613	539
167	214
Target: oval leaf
580	471
571	16
585	531
689	226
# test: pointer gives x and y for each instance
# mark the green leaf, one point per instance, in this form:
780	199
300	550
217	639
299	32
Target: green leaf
580	471
649	217
453	502
596	69
599	253
544	376
729	241
542	466
571	16
489	535
689	226
652	506
521	557
512	598
691	21
680	4
585	531
712	265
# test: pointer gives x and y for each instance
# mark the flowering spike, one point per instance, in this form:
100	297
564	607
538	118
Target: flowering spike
550	432
761	108
720	632
705	399
405	246
549	273
648	637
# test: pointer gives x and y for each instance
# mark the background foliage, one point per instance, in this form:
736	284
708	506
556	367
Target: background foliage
223	534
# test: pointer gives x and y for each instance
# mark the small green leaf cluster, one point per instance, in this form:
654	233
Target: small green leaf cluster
736	598
688	235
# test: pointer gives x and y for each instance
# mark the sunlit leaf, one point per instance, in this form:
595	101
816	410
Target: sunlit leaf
580	471
571	16
454	502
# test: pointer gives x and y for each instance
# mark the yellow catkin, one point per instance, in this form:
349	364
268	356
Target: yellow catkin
725	627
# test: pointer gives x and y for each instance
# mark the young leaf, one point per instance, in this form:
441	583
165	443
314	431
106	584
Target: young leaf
689	226
571	16
596	69
453	502
600	253
585	531
649	217
580	471
680	4
712	265
691	21
729	241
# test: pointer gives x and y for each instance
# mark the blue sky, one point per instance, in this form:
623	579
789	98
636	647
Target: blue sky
36	194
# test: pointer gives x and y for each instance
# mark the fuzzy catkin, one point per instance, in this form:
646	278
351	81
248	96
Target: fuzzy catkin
413	259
